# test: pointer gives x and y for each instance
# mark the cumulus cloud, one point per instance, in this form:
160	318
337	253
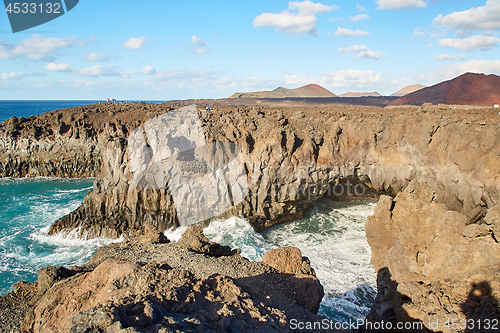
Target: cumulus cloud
418	32
360	8
299	19
439	34
445	56
479	42
369	54
353	78
38	47
134	43
400	4
478	18
100	70
12	76
148	70
53	67
450	71
354	48
350	33
360	17
98	57
200	45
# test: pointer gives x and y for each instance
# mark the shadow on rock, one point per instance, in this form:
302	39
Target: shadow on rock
481	309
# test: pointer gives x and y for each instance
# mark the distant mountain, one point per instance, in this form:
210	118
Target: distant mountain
466	89
361	94
311	90
408	90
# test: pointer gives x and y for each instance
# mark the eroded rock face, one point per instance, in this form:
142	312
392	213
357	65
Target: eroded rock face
293	156
151	293
429	259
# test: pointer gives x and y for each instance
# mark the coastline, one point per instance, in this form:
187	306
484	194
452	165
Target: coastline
391	150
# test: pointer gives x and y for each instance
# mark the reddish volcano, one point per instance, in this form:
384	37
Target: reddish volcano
467	89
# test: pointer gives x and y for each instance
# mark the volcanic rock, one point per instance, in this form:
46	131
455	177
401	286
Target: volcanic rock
466	89
308	91
408	90
150	292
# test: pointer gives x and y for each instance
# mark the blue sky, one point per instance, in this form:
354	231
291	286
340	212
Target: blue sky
161	50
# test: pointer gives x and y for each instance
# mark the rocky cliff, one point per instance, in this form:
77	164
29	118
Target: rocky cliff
439	238
296	155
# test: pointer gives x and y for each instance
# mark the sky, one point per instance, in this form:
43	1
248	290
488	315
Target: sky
164	50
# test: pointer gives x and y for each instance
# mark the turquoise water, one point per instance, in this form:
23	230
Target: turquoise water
27	208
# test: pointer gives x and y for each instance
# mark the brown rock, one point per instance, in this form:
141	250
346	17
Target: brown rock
288	260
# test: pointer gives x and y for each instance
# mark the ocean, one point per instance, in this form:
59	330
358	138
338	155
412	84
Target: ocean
330	234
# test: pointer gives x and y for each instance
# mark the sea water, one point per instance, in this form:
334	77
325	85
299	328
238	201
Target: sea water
27	209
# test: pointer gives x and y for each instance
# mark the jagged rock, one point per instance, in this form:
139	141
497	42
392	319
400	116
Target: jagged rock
194	239
49	275
150	292
288	260
427	258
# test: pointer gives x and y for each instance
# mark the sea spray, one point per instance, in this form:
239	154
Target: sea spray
331	235
28	206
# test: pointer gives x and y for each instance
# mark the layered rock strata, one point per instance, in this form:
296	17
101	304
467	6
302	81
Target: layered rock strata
295	155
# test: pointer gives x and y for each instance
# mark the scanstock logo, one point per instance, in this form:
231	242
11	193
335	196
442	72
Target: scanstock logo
170	153
29	14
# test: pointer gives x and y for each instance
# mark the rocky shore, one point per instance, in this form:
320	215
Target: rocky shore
148	284
435	232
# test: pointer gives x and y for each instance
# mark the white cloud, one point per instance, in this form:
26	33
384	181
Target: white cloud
430	46
53	67
198	41
38	47
201	51
450	71
134	43
445	56
418	32
353	78
479	42
360	8
369	54
477	18
299	19
354	48
93	39
100	70
200	44
148	70
350	33
336	19
98	57
12	76
439	35
360	17
400	4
